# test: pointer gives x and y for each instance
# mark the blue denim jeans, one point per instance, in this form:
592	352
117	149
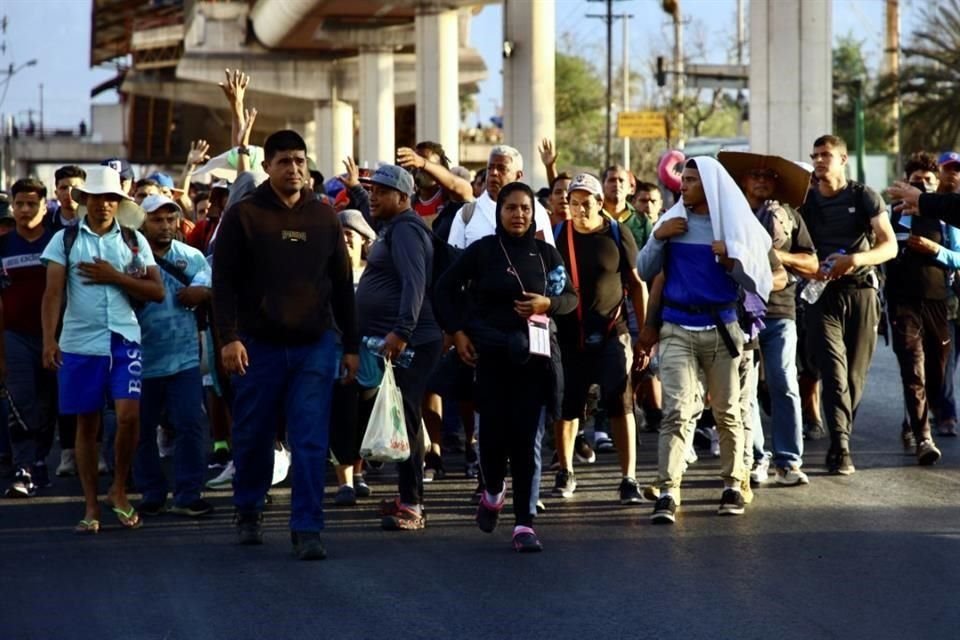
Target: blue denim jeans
181	395
295	382
33	390
778	343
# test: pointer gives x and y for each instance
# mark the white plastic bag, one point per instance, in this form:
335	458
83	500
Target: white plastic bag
386	437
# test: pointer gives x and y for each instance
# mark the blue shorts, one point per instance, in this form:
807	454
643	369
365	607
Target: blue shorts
86	380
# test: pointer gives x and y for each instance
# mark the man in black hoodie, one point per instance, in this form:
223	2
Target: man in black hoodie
282	282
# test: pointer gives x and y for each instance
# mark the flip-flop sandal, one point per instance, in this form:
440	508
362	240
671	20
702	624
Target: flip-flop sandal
87	528
129	519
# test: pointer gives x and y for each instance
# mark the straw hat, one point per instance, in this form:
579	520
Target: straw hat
103	180
792	181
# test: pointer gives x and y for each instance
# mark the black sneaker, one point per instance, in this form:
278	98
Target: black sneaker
361	487
583	451
22	486
433	467
306	545
664	511
565	484
41	475
731	503
219	459
152	508
346	496
839	462
195	509
630	492
927	453
488	514
249	527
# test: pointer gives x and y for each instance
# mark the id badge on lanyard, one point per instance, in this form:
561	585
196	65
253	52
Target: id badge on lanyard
539	327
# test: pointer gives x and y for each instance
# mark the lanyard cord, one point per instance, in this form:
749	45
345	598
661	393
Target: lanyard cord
513	270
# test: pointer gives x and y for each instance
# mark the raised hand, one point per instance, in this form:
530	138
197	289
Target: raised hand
548	155
198	154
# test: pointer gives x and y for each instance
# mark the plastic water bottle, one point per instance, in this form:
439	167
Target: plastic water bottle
815	288
375	346
137	268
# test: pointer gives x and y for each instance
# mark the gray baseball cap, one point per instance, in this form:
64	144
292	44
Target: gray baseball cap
353	219
394	177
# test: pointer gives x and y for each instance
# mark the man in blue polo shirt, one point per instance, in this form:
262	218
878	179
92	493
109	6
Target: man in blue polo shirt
101	267
171	366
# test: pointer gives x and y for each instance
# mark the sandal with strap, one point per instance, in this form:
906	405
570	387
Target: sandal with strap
526	541
129	518
87	528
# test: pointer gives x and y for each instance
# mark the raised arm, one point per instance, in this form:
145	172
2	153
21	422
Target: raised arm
409	159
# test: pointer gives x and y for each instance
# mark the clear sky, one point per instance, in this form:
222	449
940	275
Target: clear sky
57	34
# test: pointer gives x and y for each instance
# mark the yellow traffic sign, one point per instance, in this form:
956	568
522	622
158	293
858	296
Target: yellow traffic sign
641	124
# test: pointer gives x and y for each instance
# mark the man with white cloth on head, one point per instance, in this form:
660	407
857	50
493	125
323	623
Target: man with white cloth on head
709	246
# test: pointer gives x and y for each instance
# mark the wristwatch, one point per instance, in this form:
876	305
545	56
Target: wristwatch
244	151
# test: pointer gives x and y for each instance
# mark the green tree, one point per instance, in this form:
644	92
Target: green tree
580	116
929	83
849	69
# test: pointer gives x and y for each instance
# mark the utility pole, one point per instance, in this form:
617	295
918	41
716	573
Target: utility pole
626	84
609	18
740	42
41	109
892	67
678	76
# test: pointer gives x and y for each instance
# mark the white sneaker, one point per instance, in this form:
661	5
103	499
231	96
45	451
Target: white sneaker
224	480
761	471
714	442
690	458
791	477
165	442
68	464
102	467
281	465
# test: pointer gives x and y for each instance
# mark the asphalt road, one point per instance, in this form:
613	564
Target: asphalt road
873	556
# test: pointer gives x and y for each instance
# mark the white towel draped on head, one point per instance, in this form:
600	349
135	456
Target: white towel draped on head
733	221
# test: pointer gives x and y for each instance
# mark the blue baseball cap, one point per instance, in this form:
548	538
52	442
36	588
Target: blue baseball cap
121	166
948	157
162	179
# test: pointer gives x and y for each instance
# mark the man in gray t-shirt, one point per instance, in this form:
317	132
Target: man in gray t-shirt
852	234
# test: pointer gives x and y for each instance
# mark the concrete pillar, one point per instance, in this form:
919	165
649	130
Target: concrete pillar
528	82
376	107
791	75
438	88
333	138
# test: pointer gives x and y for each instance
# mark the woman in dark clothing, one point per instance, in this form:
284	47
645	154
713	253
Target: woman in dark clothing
494	300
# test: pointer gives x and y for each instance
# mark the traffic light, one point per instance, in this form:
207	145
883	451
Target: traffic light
661	73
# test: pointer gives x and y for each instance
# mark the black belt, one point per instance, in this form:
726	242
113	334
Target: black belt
712	310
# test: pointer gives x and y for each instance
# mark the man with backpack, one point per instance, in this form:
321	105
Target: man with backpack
852	234
393	304
600	255
103	268
171	369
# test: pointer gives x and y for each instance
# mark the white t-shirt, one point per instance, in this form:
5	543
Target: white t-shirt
484	223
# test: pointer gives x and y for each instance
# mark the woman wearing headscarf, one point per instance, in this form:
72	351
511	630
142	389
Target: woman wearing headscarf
498	300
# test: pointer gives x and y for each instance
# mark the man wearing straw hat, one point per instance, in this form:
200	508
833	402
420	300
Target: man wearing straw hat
102	266
773	186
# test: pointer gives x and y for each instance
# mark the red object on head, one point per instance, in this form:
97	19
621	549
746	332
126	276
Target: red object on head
670	168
